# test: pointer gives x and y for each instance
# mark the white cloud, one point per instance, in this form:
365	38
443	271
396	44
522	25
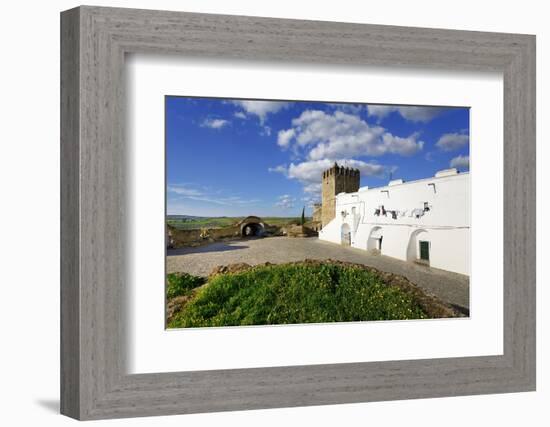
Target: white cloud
311	201
452	141
281	169
186	191
183	191
411	113
420	114
404	146
285	201
343	135
240	115
262	108
284	137
313	188
214	123
349	108
380	111
460	162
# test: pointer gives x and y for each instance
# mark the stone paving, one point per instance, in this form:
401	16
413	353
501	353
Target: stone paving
450	287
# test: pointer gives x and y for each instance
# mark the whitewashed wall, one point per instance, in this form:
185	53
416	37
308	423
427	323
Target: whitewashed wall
446	225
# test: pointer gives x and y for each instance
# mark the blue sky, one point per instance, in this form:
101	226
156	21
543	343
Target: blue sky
252	157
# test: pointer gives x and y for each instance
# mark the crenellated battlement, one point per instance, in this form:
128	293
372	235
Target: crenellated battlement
341	170
338	179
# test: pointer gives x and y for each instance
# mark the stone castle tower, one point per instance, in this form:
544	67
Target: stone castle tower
337	179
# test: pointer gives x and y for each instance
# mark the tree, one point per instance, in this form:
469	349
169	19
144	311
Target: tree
303	220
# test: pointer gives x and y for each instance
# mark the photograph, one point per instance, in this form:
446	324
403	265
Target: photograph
297	211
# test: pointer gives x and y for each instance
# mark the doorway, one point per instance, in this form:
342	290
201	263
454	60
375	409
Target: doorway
424	250
345	235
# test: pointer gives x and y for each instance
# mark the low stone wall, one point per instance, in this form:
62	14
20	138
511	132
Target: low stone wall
300	231
195	237
273	230
221	233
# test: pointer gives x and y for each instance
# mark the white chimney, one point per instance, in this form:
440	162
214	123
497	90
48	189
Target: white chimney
446	172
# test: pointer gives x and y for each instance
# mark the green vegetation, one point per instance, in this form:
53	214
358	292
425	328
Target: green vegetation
189	223
182	284
296	293
199	222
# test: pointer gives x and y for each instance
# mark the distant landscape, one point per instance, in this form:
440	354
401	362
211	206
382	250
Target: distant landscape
189	222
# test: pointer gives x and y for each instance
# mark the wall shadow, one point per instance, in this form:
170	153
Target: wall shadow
213	247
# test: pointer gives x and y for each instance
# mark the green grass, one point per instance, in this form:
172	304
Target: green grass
296	293
220	222
195	223
182	284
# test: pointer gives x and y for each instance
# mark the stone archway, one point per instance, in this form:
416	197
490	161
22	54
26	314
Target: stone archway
374	242
252	229
252	226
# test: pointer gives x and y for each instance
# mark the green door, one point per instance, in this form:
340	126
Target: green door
424	250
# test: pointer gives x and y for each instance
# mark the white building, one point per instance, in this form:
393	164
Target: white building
426	221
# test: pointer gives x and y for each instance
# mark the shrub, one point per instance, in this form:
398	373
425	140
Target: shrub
296	293
181	284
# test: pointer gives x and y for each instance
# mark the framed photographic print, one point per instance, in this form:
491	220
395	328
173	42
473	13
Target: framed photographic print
261	213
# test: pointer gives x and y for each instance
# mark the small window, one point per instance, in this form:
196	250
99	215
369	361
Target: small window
426	207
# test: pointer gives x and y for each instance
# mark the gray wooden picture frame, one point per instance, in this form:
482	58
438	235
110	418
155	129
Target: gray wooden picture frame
94	41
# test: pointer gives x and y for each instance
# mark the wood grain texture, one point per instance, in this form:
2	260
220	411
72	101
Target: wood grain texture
94	267
70	297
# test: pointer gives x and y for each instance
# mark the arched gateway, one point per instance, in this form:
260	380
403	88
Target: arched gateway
252	226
